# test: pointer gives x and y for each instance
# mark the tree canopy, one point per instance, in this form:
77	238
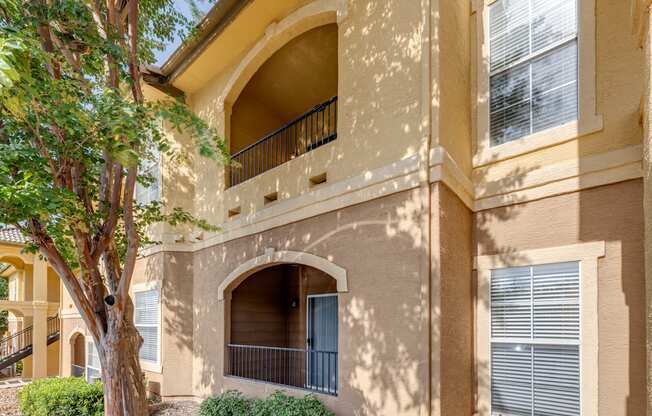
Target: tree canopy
75	133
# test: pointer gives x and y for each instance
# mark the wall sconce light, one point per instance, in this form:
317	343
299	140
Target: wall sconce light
294	303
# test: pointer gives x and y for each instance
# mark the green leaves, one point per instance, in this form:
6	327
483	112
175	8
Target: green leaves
70	396
233	403
66	119
11	49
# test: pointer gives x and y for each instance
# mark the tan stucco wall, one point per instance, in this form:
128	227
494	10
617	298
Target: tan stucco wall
383	353
383	86
69	328
451	77
173	273
53	359
613	214
642	18
177	321
53	286
378	87
452	329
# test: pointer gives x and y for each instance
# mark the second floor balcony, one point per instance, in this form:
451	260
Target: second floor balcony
309	131
287	108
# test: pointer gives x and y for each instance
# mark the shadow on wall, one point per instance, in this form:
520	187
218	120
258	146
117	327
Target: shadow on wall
384	357
616	215
611	213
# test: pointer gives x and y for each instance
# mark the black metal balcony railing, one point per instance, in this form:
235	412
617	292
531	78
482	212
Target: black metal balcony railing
309	131
305	369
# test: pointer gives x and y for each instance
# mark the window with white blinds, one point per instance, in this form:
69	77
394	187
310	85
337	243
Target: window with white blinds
533	66
535	340
147	322
93	366
150	170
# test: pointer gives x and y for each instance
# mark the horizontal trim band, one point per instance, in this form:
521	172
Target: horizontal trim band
563	177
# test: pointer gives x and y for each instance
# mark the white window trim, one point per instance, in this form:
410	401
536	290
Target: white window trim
158	178
588	120
587	254
151	366
89	341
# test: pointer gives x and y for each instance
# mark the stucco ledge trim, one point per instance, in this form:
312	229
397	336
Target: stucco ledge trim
272	257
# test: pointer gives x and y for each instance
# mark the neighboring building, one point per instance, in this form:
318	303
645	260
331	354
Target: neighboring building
437	209
33	304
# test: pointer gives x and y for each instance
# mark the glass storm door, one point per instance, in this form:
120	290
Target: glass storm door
322	343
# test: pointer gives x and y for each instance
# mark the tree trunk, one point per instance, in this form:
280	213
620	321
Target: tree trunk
124	384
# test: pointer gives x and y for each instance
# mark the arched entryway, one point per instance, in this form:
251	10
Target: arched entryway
78	355
283	327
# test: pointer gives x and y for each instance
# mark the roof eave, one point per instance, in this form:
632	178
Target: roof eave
211	26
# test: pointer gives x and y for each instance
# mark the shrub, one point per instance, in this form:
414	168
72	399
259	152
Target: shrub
278	404
233	403
62	397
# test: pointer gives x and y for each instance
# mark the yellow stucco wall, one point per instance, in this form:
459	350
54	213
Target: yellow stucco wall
379	91
387	88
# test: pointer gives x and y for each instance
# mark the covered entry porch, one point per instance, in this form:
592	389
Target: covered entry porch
283	328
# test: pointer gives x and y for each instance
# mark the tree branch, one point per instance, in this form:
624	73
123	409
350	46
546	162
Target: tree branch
72	61
49	250
108	228
134	68
132	235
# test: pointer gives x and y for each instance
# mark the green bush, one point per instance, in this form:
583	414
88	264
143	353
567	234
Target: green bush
62	397
233	403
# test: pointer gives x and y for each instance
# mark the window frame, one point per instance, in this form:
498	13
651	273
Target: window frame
147	365
588	121
151	165
587	255
90	346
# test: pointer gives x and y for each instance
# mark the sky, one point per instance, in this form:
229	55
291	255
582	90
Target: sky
183	6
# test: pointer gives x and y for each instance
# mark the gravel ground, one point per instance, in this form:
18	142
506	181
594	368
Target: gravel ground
181	408
9	402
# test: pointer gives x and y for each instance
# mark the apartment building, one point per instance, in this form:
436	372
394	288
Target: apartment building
437	208
32	302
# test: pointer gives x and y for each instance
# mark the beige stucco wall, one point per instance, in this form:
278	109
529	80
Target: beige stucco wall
613	214
643	28
70	326
384	83
452	289
382	340
451	79
378	87
172	273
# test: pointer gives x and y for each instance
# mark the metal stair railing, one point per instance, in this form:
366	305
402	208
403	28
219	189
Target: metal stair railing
22	340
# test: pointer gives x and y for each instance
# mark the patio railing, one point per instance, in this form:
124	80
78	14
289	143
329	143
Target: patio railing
306	369
307	132
77	371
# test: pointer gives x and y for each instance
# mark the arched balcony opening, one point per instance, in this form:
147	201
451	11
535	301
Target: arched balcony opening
288	107
283	324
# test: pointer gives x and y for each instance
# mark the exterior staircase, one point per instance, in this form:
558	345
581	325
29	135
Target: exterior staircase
18	346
